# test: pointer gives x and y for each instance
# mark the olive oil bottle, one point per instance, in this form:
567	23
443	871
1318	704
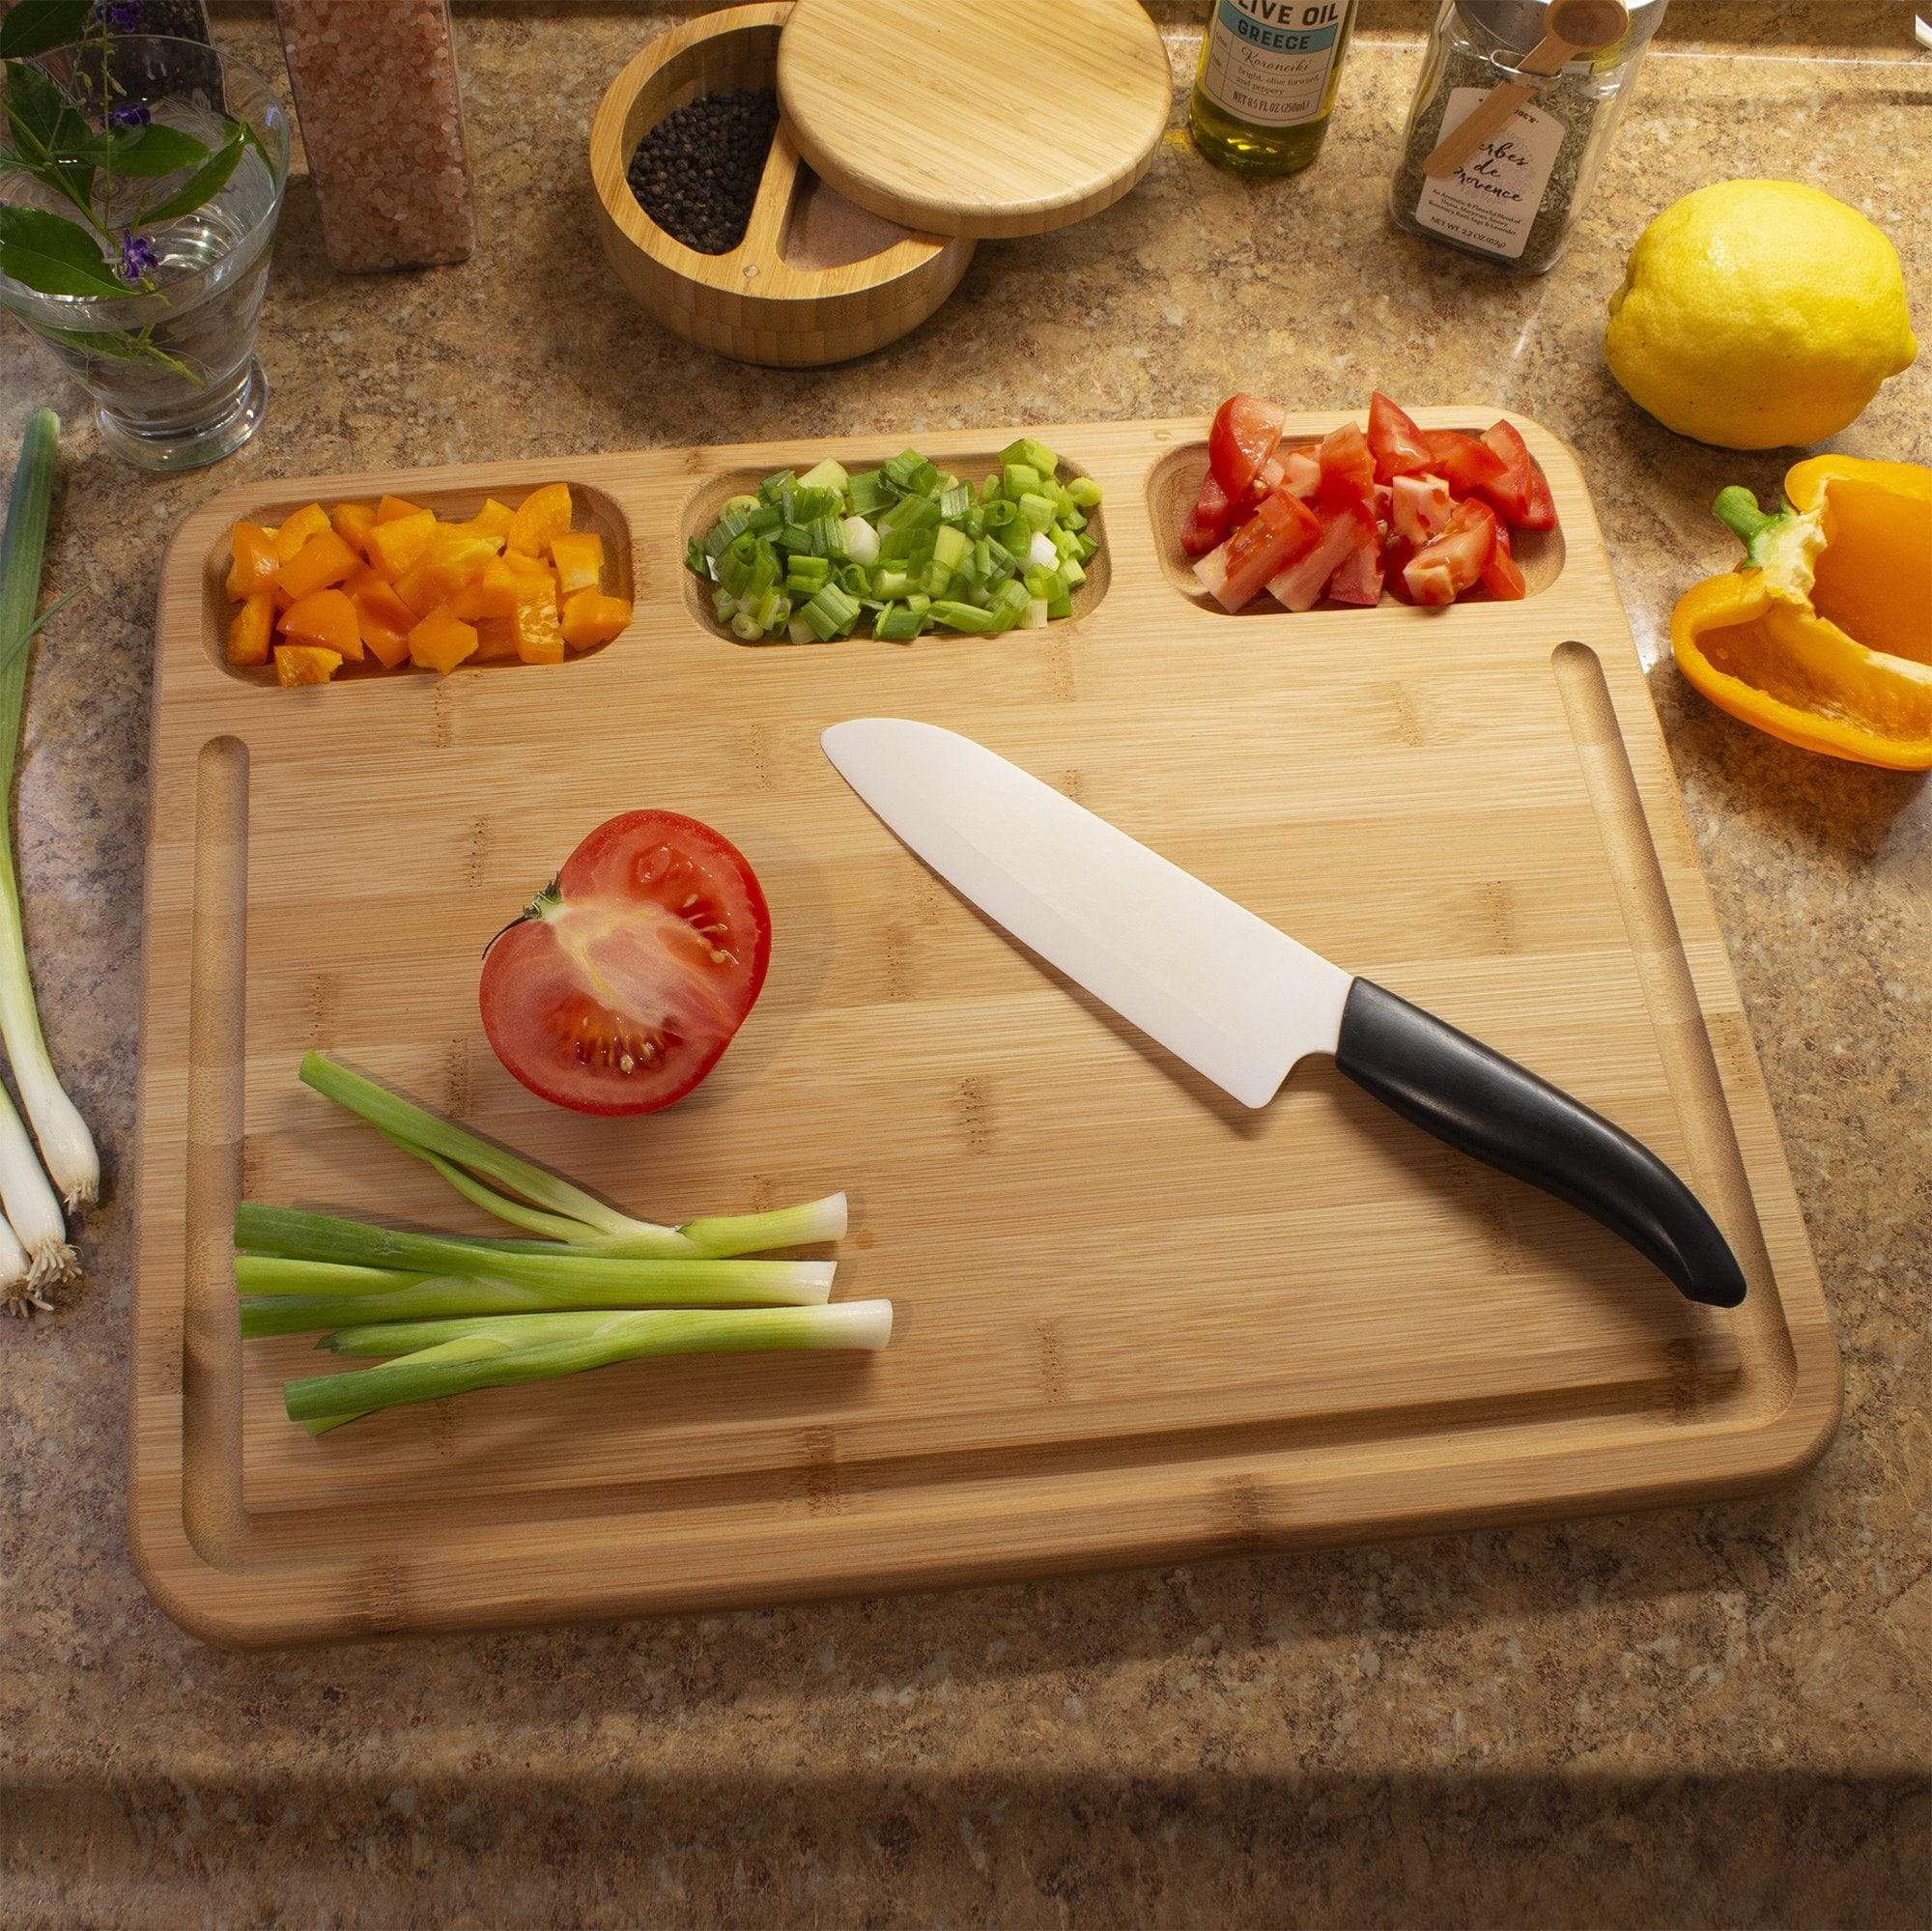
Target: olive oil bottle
1266	82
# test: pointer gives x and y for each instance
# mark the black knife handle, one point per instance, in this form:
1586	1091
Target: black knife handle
1486	1105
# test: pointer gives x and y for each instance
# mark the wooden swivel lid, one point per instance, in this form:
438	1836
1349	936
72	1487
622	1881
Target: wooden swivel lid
975	117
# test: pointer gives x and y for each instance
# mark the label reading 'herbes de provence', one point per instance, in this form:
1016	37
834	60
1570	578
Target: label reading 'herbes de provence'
1490	202
1269	61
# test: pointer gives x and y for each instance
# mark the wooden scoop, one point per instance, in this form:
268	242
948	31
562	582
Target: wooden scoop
1573	27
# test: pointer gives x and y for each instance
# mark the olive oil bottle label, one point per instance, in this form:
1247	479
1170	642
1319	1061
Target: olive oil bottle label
1490	201
1269	61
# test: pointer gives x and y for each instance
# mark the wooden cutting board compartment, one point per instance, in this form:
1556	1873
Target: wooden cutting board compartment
1135	1321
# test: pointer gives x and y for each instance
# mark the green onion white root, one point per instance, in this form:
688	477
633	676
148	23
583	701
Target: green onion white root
33	1211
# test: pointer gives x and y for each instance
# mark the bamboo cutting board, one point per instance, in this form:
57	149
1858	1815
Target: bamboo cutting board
1135	1321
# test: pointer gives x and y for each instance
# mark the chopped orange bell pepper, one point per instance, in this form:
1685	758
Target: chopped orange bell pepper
1824	637
352	524
533	571
304	664
494	519
543	516
578	556
442	641
309	521
591	618
381	615
490	593
253	561
495	639
251	629
394	509
539	635
454	560
493	537
396	547
324	617
324	559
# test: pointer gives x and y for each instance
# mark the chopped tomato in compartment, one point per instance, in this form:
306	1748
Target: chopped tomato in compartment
1244	436
1278	531
1398	444
1443	569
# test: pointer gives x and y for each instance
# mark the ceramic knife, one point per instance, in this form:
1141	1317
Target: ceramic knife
1240	1001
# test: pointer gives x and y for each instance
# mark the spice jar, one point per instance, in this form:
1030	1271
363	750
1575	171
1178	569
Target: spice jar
381	122
1516	202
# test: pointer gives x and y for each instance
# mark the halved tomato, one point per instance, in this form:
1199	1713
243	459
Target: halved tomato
1243	437
626	977
1209	520
1502	574
1397	442
1522	498
1277	532
1463	463
1443	569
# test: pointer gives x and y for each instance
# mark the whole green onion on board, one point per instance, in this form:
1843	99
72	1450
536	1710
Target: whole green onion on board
524	1194
469	1313
37	1229
572	1273
453	1357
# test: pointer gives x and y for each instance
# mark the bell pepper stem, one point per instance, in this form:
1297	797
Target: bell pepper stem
1736	508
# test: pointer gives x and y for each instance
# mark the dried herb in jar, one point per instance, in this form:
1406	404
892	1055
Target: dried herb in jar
1517	202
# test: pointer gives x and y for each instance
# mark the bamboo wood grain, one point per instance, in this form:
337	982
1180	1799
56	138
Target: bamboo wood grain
975	117
1135	1321
816	280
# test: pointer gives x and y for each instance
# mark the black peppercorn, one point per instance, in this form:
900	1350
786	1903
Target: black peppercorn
696	174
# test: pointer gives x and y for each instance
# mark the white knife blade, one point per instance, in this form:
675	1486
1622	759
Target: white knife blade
1218	988
1242	1002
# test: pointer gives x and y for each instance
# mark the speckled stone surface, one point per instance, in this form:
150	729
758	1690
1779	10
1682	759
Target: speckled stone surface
1710	1716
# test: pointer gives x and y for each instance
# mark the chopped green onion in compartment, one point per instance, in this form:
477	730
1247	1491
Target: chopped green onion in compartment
899	551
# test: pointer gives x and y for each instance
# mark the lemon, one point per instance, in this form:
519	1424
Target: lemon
1757	313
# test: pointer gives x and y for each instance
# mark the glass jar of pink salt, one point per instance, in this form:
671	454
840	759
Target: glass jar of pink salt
382	122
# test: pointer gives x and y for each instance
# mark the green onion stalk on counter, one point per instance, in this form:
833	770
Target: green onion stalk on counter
465	1311
904	549
34	1250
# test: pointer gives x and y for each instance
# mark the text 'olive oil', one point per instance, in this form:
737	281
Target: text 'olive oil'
1267	82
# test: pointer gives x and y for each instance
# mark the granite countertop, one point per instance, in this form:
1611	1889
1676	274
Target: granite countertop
1704	1715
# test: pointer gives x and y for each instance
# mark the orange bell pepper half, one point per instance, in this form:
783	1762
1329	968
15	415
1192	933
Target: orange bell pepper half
1824	637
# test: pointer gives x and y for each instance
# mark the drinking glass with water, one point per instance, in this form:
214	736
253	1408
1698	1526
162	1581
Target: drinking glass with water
137	246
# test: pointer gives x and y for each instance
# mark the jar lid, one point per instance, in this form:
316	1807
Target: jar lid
975	117
1512	27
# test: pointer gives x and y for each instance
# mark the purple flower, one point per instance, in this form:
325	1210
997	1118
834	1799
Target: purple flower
120	118
118	16
138	258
